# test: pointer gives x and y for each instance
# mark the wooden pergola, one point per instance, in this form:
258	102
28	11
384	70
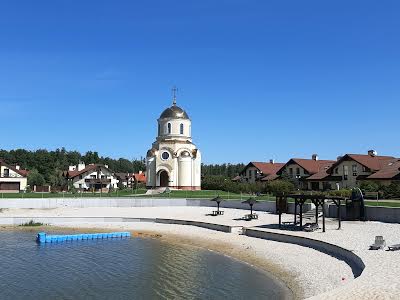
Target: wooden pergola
317	200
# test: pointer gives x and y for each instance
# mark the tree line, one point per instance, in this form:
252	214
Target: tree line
226	170
46	167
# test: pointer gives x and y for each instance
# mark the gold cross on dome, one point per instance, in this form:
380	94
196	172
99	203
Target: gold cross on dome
174	90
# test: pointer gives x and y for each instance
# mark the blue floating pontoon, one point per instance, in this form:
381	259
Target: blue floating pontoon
42	237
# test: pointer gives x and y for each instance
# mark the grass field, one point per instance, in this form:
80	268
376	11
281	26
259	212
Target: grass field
122	193
393	203
203	194
207	194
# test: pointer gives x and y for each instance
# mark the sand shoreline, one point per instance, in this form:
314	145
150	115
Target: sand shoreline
305	271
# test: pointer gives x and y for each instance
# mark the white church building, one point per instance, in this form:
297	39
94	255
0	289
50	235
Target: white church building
174	161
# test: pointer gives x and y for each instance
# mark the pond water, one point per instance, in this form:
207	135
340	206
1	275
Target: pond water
135	268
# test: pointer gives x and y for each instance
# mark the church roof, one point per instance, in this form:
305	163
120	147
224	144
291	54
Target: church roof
174	112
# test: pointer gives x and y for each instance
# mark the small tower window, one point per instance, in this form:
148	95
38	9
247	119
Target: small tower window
169	128
181	128
159	127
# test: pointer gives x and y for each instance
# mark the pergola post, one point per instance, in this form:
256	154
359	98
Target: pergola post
280	219
295	211
339	214
323	214
316	213
301	214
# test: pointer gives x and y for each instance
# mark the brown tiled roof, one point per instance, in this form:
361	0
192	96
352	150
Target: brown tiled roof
375	163
21	172
265	168
270	177
310	165
140	177
236	178
72	174
389	171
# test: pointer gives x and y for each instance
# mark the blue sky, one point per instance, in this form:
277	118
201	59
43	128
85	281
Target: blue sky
259	79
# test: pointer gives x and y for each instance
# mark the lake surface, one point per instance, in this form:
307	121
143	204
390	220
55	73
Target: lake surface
135	268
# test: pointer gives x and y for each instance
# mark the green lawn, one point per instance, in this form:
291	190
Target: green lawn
122	193
207	194
203	194
383	203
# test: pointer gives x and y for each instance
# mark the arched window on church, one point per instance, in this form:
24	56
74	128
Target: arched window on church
159	129
169	128
181	129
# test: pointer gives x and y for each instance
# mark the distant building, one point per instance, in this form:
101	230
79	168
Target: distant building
349	170
173	160
140	177
94	177
300	169
129	180
13	179
259	171
389	173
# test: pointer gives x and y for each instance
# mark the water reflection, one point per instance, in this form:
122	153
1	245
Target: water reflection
123	269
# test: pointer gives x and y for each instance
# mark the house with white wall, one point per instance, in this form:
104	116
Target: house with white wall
300	169
259	171
93	177
351	169
13	179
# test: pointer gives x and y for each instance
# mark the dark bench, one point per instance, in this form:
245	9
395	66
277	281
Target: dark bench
250	217
371	195
217	212
394	247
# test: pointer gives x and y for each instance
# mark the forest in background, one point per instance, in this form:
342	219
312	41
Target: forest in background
51	164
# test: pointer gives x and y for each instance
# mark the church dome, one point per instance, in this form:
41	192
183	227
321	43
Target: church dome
174	112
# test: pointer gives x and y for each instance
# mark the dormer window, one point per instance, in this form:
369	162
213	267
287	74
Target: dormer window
169	128
181	129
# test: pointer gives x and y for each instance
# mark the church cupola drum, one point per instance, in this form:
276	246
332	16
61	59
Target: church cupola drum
173	160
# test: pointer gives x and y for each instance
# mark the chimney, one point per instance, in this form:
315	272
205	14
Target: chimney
140	172
80	166
372	153
17	167
71	168
106	166
271	161
314	157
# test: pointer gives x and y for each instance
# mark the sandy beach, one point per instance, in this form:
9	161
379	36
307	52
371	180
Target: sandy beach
305	271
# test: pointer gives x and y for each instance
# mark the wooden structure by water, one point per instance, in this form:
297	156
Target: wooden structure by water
300	199
42	237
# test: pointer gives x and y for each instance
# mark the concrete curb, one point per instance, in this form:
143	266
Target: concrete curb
353	260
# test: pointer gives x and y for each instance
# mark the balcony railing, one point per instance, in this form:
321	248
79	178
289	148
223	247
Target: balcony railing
97	180
8	175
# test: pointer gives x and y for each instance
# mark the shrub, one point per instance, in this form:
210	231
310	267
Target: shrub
31	223
369	186
35	178
277	187
391	191
340	193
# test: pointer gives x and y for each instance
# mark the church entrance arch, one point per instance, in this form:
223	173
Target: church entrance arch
164	179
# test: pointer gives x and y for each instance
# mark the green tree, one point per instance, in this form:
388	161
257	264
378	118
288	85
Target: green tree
277	187
369	186
35	178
